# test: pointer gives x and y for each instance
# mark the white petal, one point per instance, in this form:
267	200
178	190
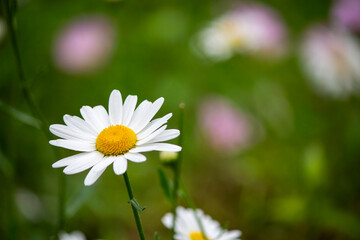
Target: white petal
104	163
139	114
135	157
231	235
84	163
66	132
151	136
73	145
68	160
128	110
167	147
90	116
167	220
153	109
103	116
152	126
115	107
165	136
156	147
142	149
76	122
120	165
92	176
97	170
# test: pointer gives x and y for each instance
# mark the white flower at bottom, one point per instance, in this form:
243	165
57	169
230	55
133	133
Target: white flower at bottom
75	235
114	137
187	227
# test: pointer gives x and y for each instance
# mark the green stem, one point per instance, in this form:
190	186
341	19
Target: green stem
25	89
135	211
177	169
24	85
192	205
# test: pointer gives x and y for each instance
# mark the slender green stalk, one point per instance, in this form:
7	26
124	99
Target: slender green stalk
24	85
177	172
192	205
135	211
25	89
177	168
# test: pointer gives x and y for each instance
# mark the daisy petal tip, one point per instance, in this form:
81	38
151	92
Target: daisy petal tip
161	100
88	183
115	91
119	172
168	116
55	165
53	142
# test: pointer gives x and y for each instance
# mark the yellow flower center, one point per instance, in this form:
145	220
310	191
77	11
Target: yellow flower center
197	236
115	140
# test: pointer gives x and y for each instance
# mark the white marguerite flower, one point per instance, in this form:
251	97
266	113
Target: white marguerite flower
114	137
187	227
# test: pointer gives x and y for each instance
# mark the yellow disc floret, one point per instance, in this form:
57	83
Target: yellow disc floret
115	140
197	236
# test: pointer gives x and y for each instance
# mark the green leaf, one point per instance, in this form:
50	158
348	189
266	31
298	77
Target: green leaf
136	205
20	116
165	184
156	236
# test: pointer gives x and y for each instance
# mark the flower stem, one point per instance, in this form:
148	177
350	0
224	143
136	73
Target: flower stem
135	211
177	168
191	204
25	89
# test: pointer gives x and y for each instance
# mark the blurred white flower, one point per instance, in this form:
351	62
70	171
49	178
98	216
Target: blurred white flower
75	235
347	13
84	45
331	59
187	226
226	127
248	28
114	137
29	204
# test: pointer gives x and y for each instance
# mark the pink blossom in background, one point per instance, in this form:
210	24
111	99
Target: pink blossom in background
84	45
331	60
261	28
250	28
347	13
225	127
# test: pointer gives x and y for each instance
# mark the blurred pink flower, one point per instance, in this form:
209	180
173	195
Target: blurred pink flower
226	127
347	13
331	58
248	28
84	45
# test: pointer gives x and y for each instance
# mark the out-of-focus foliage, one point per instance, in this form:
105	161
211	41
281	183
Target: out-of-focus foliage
299	180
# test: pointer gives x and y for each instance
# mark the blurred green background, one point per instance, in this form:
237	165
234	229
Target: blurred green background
301	181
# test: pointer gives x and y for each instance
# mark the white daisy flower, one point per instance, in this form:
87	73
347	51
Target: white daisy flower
114	137
187	227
